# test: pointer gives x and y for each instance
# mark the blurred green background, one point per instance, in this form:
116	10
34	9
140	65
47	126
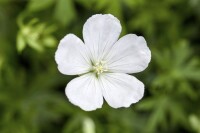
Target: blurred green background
32	98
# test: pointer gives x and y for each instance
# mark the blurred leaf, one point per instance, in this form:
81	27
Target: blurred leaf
195	123
88	125
36	35
165	112
32	42
38	5
73	125
87	3
111	7
65	12
50	29
49	41
177	67
21	44
1	62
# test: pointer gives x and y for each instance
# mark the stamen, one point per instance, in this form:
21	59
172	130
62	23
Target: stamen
100	67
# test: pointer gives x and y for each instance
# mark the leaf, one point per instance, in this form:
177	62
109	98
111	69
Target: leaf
73	125
100	4
50	29
49	41
147	104
35	45
21	43
38	5
65	12
88	125
87	3
195	123
115	8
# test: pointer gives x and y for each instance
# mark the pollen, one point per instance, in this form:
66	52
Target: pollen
100	67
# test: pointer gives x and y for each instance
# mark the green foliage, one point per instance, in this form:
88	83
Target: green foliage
66	8
32	98
195	122
38	5
36	35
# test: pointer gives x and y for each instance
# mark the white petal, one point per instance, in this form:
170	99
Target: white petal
84	92
100	32
130	54
71	56
121	90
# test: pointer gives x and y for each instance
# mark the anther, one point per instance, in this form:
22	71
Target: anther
100	67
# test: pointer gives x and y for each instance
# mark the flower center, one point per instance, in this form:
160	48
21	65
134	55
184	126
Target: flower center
100	67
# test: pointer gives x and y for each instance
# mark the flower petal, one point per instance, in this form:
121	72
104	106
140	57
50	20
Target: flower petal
71	56
121	90
85	92
130	54
100	32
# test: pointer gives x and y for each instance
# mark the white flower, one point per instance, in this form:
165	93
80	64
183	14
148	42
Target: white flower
104	63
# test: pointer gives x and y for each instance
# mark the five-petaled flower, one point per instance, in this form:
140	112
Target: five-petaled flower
103	63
